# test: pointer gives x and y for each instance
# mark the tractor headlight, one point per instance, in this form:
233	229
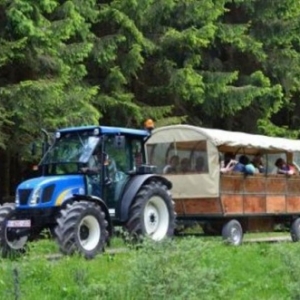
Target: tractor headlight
35	198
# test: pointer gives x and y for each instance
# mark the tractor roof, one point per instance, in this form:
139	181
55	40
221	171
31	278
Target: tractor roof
109	130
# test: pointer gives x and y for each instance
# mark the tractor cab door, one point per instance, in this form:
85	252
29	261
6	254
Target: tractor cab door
123	156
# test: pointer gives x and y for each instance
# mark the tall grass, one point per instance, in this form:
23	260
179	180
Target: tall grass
187	268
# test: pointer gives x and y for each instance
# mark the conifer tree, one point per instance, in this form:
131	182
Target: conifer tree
42	65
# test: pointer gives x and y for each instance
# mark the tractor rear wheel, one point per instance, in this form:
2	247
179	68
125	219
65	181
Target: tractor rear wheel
11	244
81	228
152	213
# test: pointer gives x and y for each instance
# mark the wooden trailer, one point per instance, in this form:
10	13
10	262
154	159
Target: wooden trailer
231	203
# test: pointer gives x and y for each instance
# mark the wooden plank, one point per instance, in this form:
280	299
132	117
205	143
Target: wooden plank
276	184
293	185
232	183
179	208
254	204
202	206
293	204
232	204
273	239
255	184
276	204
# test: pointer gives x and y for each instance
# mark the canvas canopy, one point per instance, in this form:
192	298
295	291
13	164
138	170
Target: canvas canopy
225	140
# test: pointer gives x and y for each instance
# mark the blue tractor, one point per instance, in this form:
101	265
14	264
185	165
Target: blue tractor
93	178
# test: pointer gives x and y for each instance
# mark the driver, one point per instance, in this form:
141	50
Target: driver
93	170
94	163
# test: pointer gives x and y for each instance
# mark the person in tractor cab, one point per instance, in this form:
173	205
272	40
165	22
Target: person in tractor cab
94	171
94	164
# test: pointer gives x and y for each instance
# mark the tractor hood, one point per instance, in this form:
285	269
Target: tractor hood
48	191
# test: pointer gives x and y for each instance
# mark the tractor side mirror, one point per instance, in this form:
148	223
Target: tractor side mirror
119	142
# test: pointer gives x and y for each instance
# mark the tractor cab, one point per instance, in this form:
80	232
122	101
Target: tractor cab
103	157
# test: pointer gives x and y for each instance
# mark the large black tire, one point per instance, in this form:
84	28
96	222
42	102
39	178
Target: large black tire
81	228
295	230
152	213
10	246
232	232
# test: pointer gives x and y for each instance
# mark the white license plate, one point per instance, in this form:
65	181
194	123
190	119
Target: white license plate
18	223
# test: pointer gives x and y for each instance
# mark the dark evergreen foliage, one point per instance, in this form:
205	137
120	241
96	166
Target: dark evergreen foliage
231	64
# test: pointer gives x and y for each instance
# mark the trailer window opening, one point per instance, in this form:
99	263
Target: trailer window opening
190	156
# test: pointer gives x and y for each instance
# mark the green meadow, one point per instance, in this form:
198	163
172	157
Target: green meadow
183	268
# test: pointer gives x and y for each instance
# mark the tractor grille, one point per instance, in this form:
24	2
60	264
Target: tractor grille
24	196
47	193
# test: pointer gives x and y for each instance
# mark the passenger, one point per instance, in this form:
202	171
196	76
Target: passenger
228	158
200	164
230	166
172	167
258	164
283	167
229	162
185	165
240	166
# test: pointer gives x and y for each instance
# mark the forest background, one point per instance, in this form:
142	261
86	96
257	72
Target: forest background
224	64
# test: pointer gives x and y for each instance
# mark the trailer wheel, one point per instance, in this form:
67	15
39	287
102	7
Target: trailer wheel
152	213
295	230
81	228
232	232
10	245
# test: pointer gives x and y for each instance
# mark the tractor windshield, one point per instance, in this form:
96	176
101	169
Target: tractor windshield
70	151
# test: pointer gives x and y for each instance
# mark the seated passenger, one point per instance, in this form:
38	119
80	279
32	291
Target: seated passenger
283	167
185	165
244	166
229	167
228	158
240	166
200	165
228	163
172	167
258	164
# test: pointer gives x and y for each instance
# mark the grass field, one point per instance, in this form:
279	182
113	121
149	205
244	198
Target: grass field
185	268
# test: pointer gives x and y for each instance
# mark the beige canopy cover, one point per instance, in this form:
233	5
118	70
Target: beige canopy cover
207	185
223	138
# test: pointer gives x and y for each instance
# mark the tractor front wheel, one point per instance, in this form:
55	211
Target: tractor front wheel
11	243
81	228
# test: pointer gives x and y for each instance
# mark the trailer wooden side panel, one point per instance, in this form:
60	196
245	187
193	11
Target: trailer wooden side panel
198	206
293	204
232	204
254	204
259	194
247	195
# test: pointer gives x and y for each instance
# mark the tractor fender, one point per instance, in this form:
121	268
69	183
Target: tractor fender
131	190
99	201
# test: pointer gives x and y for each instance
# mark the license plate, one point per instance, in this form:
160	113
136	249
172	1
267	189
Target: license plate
18	223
